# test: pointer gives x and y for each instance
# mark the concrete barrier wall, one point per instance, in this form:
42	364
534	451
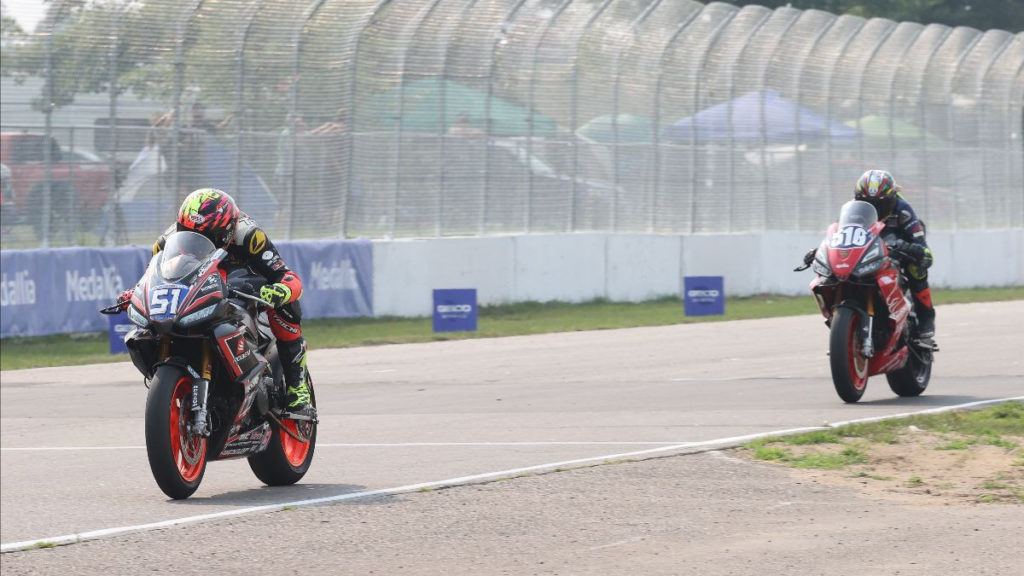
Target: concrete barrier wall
633	268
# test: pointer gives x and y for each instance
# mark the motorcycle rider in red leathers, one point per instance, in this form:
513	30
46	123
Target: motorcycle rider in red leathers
878	188
214	214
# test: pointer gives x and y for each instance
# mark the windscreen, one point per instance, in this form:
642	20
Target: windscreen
859	213
183	253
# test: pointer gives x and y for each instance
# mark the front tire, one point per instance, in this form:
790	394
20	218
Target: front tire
912	379
849	366
286	460
177	457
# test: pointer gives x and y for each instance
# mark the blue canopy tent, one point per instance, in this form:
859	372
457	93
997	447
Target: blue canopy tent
755	117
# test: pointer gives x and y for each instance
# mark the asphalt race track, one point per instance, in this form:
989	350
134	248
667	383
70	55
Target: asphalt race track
395	417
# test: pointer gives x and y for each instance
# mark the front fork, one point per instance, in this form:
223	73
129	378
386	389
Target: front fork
200	394
868	348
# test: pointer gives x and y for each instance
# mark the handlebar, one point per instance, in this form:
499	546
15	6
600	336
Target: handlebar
249	297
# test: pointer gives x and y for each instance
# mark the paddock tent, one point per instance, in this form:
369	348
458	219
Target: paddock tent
419	105
763	116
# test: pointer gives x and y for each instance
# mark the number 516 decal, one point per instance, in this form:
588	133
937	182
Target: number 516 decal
849	237
164	300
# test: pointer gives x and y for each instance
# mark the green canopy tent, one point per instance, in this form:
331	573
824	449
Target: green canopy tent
631	129
465	109
876	130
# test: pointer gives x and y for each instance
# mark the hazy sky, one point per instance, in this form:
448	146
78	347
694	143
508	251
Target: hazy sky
27	12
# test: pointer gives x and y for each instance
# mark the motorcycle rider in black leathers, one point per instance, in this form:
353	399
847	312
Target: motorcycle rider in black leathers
878	188
214	214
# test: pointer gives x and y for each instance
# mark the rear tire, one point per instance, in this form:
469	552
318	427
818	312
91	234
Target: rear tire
177	457
912	379
286	460
849	366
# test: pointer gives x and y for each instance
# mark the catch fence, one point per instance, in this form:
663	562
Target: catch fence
430	118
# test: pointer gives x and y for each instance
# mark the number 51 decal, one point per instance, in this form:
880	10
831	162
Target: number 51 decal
165	300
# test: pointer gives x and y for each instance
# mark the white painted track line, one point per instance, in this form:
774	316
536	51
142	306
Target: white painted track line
582	462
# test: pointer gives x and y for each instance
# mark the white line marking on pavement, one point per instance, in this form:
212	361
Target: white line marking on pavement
619	543
720	442
379	445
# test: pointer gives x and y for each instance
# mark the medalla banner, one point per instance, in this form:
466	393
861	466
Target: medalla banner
62	290
337	276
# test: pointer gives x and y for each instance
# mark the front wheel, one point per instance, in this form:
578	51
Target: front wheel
177	457
287	458
849	365
912	379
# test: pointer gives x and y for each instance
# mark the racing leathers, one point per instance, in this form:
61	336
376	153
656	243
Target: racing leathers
909	230
251	247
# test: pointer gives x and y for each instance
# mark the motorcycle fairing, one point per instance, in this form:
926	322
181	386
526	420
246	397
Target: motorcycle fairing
846	246
238	354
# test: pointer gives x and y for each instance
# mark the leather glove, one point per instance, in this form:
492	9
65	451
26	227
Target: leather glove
276	294
809	257
915	251
125	298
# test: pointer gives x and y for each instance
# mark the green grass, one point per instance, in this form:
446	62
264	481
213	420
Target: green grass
825	460
972	427
494	321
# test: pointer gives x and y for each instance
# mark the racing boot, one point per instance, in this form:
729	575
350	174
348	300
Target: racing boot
293	359
925	314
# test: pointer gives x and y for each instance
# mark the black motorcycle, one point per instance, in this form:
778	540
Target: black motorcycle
216	386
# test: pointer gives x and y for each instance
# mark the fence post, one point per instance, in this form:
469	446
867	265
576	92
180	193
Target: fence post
421	16
48	106
731	154
617	83
923	107
828	108
442	108
300	25
951	118
350	120
714	37
509	16
541	37
798	93
981	106
764	126
575	108
656	115
248	20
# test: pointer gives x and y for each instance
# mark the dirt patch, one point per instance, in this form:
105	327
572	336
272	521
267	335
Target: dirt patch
923	468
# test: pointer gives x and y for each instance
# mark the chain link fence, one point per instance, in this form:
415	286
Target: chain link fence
429	118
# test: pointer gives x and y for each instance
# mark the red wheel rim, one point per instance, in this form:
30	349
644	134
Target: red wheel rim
858	363
187	449
294	451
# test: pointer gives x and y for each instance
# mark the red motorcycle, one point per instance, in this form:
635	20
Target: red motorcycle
868	307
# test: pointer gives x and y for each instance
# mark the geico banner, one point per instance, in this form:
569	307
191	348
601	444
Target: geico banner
61	290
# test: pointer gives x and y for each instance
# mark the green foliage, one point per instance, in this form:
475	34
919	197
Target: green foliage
1003	14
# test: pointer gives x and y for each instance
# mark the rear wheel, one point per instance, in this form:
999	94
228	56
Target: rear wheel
287	458
912	379
177	457
849	365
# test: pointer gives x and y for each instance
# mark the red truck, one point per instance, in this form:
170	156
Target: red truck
80	183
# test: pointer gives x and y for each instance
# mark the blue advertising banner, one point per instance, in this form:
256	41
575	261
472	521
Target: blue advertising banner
703	295
455	310
120	326
337	276
61	290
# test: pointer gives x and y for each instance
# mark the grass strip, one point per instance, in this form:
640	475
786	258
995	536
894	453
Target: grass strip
494	321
